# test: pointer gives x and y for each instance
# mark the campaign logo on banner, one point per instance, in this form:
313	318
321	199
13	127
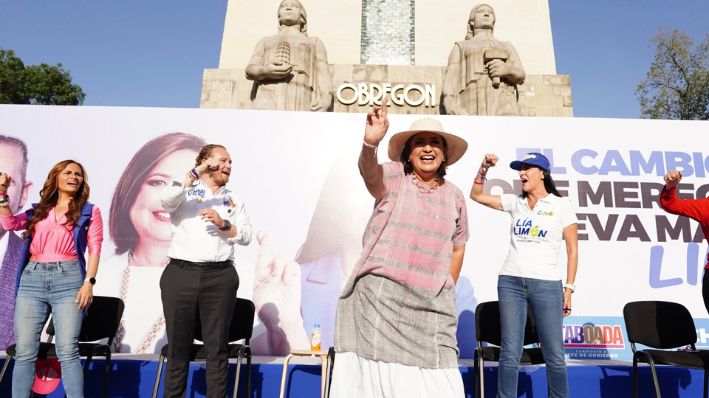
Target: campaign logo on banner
605	338
311	218
596	338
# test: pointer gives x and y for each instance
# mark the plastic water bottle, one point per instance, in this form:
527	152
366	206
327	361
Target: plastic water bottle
315	338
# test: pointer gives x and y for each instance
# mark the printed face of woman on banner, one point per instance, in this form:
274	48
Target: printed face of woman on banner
141	230
150	220
139	225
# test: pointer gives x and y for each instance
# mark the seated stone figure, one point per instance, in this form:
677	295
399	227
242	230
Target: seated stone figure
483	72
290	69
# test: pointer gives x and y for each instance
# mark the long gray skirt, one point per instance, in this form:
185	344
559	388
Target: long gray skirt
384	321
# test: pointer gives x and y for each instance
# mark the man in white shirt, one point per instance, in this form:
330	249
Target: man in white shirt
13	161
200	280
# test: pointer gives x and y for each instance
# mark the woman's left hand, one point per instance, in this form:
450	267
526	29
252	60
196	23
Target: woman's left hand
85	295
673	177
567	303
5	180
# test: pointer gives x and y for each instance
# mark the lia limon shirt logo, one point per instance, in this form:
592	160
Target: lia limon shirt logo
524	227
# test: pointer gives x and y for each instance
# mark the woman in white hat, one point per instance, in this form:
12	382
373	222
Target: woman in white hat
531	275
395	332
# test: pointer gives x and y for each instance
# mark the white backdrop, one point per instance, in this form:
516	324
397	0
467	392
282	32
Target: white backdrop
611	169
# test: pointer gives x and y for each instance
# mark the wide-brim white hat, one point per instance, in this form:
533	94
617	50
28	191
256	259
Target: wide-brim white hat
456	145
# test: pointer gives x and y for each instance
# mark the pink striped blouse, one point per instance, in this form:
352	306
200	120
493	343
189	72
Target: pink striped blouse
410	236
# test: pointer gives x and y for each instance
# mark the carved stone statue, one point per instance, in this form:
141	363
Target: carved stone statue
483	72
290	70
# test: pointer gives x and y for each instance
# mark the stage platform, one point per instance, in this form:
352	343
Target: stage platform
132	377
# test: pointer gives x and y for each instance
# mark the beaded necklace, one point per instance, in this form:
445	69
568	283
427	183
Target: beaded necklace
423	188
156	327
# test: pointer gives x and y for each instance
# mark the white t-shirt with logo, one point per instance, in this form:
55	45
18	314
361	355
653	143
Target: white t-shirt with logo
536	236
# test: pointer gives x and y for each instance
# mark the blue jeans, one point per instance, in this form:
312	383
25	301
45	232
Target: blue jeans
46	286
546	300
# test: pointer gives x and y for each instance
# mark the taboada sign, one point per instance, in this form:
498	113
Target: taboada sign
400	94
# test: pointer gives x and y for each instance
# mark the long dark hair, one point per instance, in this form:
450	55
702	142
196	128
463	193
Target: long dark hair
49	196
409	168
549	185
123	233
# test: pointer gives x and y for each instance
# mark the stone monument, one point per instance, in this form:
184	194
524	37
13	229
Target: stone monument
483	72
397	48
290	69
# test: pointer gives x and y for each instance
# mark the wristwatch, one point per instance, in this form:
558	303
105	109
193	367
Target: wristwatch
92	281
227	225
570	286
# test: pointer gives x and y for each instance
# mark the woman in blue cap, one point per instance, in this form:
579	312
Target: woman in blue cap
531	276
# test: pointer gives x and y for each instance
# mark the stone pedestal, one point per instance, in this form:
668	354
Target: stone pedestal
417	89
546	95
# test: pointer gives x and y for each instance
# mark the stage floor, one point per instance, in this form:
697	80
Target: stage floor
133	375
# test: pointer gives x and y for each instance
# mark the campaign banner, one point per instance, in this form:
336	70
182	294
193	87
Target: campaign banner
596	338
297	175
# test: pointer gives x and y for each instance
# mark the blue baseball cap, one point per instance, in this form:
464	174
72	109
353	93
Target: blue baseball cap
532	159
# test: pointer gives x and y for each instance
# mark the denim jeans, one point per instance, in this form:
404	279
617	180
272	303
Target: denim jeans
44	287
546	300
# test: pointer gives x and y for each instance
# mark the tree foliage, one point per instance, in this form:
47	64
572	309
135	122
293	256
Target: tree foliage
36	84
677	85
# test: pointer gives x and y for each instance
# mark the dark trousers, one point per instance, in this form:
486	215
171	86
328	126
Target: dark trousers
194	294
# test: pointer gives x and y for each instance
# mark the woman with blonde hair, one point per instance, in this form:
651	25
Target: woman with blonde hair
53	274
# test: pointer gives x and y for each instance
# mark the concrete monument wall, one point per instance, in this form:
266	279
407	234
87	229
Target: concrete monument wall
337	23
347	29
439	24
540	95
524	23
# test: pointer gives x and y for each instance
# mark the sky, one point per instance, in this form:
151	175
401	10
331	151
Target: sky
153	53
